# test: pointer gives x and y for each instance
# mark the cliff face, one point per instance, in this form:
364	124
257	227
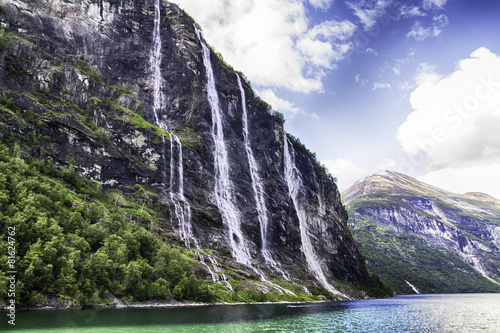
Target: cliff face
419	237
128	100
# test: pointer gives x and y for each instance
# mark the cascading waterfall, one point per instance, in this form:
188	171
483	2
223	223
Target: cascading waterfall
293	179
223	185
182	209
257	186
155	61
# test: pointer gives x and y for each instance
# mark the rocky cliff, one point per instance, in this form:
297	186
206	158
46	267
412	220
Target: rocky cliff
420	238
128	93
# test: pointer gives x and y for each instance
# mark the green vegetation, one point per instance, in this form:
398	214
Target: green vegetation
74	241
396	257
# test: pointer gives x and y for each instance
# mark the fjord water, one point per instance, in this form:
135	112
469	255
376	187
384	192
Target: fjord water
415	313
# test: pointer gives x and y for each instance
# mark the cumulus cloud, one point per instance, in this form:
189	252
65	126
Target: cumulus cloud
455	119
472	179
426	73
272	41
279	104
326	43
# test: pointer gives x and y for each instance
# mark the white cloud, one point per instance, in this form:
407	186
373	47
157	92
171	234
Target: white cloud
397	69
387	164
426	73
321	4
279	104
419	33
439	4
439	22
404	85
455	119
368	12
461	180
410	11
359	79
346	171
326	43
271	40
380	85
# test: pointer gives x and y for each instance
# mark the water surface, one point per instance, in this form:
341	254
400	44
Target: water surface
419	313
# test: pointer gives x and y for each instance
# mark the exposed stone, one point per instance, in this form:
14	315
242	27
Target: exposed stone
82	68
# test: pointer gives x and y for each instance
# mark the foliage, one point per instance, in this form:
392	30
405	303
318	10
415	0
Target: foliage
277	114
397	258
72	241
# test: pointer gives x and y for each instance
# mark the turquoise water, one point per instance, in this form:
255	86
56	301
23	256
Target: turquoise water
419	313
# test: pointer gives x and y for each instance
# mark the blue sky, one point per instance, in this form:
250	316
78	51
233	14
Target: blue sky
410	86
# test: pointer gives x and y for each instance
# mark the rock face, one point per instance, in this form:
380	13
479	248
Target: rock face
77	79
420	238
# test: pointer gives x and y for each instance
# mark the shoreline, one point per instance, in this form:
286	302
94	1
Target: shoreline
152	305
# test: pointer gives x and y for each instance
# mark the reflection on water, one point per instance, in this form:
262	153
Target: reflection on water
420	313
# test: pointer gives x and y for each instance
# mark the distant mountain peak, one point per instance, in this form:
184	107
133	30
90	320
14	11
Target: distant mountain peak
480	196
437	240
387	181
392	182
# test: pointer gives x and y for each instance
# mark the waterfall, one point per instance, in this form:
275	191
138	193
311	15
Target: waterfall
182	209
223	191
155	62
257	186
295	186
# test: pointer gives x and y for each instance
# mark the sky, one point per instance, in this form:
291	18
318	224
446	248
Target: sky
410	86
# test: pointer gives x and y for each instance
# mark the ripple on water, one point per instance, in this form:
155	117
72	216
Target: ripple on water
422	313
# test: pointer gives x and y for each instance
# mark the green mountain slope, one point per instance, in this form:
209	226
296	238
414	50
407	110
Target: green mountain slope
417	237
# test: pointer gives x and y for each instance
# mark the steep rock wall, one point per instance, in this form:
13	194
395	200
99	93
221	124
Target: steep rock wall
79	73
436	240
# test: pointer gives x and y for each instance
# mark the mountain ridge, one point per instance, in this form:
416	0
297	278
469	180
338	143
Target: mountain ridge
428	226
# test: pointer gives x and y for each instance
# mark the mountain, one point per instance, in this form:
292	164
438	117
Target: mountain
161	160
419	238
